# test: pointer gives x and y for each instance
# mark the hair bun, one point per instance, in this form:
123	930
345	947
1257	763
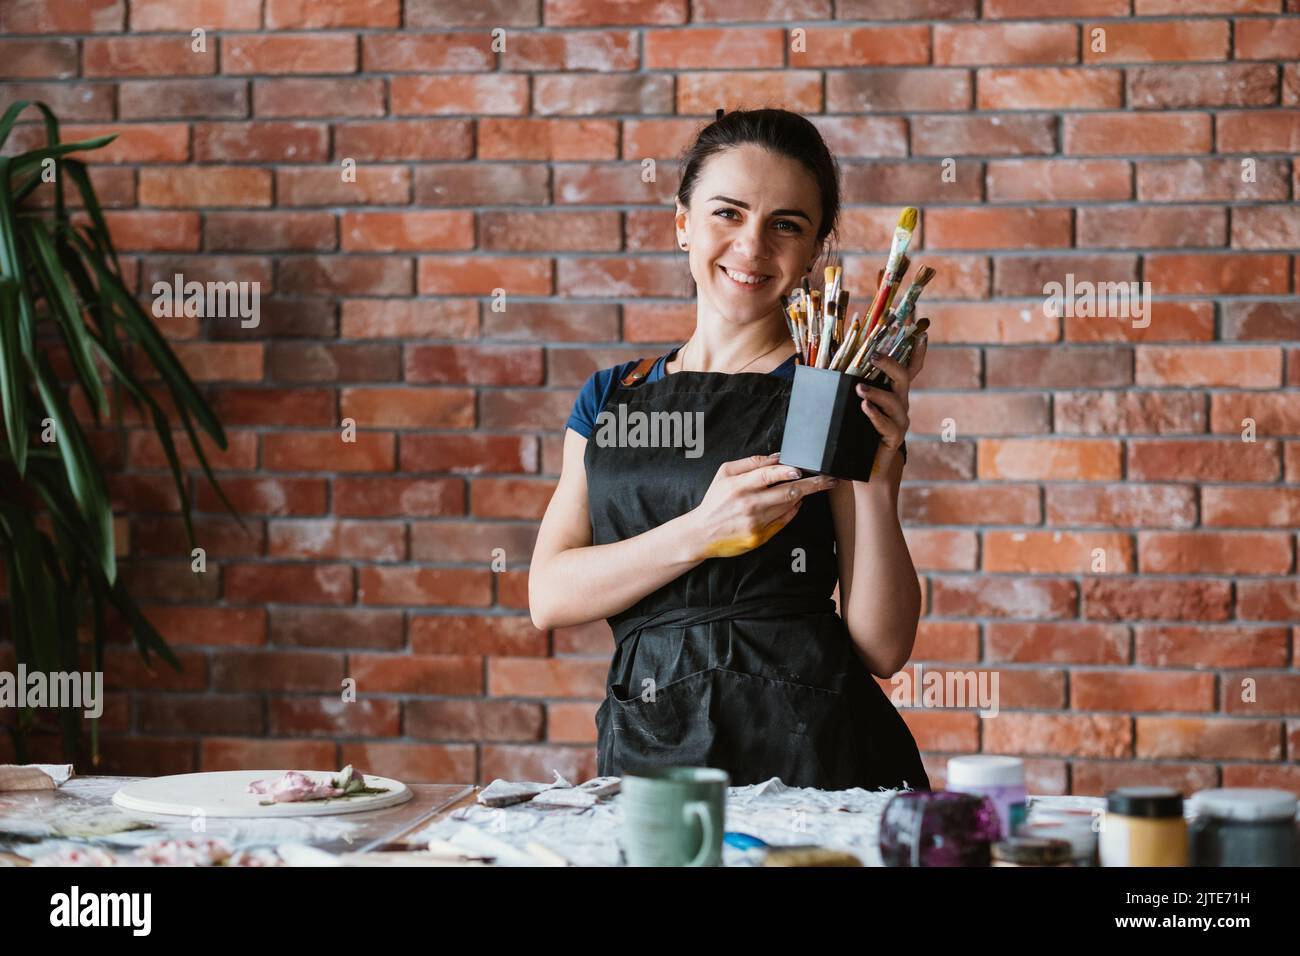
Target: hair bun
717	115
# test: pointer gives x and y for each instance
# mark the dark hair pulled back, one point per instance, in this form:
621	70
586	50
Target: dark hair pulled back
781	131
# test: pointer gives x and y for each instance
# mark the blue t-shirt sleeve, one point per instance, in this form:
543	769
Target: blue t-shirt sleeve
592	397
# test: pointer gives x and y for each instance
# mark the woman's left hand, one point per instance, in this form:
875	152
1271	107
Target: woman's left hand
887	408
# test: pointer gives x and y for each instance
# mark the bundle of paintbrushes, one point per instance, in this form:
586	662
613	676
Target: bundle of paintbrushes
816	318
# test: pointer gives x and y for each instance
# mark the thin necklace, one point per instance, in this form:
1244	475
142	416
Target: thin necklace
739	370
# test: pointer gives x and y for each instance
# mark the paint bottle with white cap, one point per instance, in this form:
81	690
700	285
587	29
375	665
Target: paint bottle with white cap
1001	779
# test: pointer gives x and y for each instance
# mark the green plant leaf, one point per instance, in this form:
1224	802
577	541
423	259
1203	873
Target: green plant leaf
13	392
163	428
16	321
26	189
69	274
101	315
98	632
65	649
207	469
66	311
146	635
32	589
9	117
84	479
76	171
51	139
142	331
65	513
34	157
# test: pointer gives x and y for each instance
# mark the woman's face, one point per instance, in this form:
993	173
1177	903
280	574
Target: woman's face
756	214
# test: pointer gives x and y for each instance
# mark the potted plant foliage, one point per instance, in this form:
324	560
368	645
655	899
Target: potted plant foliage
64	305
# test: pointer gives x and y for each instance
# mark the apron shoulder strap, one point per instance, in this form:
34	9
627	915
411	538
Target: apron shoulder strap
638	374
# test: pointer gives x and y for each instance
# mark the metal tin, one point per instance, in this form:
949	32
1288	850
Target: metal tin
1032	851
1076	832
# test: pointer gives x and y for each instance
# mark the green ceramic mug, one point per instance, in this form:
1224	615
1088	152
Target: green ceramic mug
674	816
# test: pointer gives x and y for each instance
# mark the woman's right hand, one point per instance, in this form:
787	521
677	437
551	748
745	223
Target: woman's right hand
742	509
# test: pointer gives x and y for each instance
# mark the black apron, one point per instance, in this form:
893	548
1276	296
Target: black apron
741	663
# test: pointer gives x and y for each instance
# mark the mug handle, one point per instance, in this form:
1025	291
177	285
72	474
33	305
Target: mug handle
699	809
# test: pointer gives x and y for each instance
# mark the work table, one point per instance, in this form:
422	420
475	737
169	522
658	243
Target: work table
81	813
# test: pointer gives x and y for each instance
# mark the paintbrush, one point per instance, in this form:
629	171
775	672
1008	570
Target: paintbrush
826	320
901	349
869	342
834	281
814	325
867	331
846	347
839	310
903	264
891	342
892	326
902	323
796	332
910	345
802	311
789	324
790	306
897	249
830	301
854	341
877	343
807	325
923	277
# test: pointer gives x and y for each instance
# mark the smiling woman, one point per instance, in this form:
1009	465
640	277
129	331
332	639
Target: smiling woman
716	569
772	202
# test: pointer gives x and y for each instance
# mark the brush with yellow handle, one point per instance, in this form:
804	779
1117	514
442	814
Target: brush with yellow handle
893	275
902	237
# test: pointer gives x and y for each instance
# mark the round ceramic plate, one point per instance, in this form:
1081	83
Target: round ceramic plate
225	794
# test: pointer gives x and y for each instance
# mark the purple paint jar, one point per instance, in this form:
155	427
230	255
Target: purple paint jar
937	828
1001	779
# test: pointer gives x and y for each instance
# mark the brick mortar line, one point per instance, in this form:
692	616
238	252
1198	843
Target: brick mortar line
834	22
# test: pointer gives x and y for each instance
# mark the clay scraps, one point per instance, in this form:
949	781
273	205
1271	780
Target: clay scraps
558	793
196	851
296	786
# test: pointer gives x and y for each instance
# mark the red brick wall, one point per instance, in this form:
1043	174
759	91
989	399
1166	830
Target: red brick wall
521	170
